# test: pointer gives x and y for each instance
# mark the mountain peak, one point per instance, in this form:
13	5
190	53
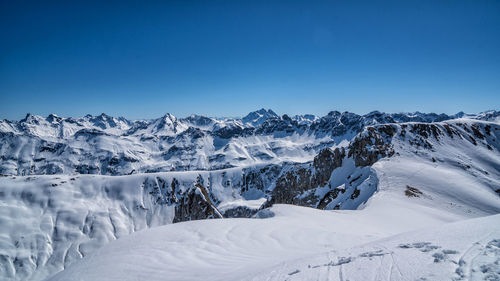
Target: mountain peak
258	117
53	118
32	119
169	116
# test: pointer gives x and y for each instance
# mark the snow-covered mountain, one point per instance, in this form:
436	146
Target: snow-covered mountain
115	146
376	176
258	117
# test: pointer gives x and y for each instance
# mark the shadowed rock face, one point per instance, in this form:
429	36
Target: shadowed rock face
292	184
302	178
261	178
325	162
240	212
192	206
373	144
329	197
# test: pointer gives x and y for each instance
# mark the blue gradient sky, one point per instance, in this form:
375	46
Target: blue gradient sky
140	59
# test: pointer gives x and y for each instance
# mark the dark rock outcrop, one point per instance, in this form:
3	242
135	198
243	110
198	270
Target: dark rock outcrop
371	145
193	206
325	162
240	212
302	178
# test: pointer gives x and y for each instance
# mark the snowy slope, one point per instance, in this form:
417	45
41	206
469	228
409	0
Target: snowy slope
465	250
299	244
48	222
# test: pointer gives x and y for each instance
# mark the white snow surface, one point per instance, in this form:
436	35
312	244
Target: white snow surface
464	250
302	244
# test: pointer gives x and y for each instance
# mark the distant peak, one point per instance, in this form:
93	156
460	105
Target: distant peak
169	116
30	118
258	117
491	111
53	118
263	111
333	112
375	112
270	111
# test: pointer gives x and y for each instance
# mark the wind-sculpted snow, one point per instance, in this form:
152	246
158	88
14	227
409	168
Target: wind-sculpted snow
48	222
300	244
116	146
466	250
429	172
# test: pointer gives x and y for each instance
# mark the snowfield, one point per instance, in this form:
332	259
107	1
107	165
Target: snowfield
378	201
300	243
465	250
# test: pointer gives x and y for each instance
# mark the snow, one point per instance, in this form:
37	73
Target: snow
298	243
258	117
465	250
251	204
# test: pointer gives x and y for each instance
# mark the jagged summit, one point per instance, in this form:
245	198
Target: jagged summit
258	117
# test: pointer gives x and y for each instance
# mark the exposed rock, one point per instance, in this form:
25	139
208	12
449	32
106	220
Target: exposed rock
291	184
368	147
329	197
325	162
193	206
426	130
412	191
476	131
261	178
240	212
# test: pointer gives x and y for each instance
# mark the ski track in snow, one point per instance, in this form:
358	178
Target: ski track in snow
381	262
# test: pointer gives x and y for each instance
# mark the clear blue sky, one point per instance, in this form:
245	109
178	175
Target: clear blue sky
141	59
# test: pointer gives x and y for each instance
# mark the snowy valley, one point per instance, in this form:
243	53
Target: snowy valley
340	197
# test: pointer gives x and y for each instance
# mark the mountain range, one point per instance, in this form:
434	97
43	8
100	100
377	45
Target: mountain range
294	193
109	145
